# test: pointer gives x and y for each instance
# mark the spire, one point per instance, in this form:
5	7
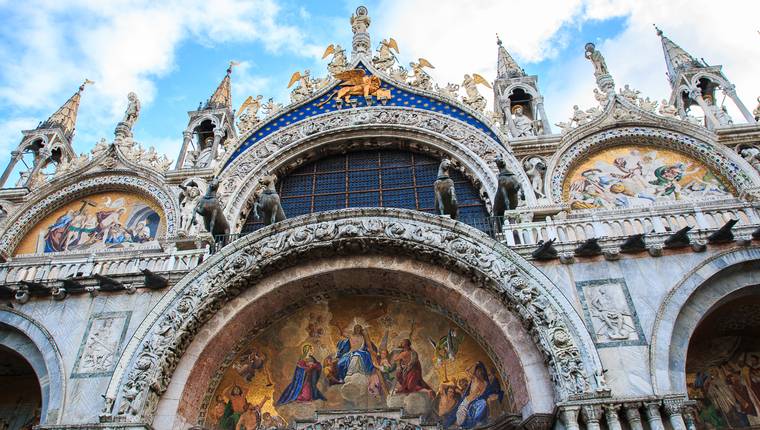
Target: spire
676	58
66	116
222	97
506	66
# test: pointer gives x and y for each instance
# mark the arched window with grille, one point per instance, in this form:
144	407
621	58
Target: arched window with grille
371	178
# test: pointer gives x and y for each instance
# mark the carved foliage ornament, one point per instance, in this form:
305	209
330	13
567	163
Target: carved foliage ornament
153	357
707	153
30	215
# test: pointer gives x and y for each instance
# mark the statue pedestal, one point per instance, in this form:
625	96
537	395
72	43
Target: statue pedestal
605	82
123	130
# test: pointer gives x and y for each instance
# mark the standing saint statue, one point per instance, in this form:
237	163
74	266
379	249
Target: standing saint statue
596	58
360	20
133	110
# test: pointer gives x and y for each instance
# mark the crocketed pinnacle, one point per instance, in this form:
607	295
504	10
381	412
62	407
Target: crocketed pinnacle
676	58
66	116
506	66
222	97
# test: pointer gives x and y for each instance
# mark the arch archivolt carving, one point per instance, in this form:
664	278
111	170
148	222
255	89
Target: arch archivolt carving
43	355
149	359
720	159
58	193
469	147
687	303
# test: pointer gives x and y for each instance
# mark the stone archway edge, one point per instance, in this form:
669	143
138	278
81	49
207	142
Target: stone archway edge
147	363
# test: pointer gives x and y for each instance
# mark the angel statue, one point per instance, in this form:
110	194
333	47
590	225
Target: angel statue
420	78
271	107
385	57
399	73
473	98
304	88
355	82
338	63
668	110
247	114
133	110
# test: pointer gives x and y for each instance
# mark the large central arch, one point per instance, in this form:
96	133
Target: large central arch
145	369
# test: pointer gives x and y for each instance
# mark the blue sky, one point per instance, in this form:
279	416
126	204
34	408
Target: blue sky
174	53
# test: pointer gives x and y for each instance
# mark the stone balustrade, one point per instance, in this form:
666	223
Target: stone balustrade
614	226
46	269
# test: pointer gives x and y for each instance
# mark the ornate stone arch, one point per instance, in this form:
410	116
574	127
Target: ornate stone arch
210	117
28	337
148	361
731	166
121	176
467	146
700	290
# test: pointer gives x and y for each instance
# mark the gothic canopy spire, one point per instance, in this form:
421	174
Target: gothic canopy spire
66	116
506	66
222	97
676	58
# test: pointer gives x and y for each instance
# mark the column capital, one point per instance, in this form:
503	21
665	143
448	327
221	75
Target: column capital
569	416
591	413
672	406
187	134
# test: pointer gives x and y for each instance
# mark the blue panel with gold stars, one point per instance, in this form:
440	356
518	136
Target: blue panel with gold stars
318	106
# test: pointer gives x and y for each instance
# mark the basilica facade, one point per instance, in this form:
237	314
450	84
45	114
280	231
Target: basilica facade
391	252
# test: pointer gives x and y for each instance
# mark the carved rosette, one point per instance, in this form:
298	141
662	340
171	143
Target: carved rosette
151	356
462	142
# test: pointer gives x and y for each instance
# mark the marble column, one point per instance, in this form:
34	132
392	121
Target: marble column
506	107
569	417
712	122
218	134
611	416
187	137
673	409
542	112
592	414
653	415
632	416
15	156
730	91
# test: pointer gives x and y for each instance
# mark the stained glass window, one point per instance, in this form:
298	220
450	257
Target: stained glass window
377	178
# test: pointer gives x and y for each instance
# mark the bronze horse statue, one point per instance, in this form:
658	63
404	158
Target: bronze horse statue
210	209
268	207
445	194
508	190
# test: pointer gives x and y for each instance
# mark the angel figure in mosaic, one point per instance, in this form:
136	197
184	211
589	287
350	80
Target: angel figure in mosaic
420	78
385	57
473	98
339	63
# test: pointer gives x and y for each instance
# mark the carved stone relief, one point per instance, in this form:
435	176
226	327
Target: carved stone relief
610	314
101	344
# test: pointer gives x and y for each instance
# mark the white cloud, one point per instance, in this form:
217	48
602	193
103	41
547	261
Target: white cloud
458	38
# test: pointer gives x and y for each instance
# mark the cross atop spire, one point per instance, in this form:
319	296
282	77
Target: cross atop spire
676	58
506	66
222	97
66	116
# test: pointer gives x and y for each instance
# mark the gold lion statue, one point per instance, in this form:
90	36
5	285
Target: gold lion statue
355	82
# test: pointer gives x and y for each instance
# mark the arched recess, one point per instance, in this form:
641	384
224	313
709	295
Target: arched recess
472	151
28	338
700	291
78	184
480	313
149	359
720	159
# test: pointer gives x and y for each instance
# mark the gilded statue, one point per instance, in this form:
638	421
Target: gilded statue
247	114
420	78
305	86
385	57
339	62
473	98
356	82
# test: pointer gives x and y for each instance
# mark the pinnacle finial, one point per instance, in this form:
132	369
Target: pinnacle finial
498	40
657	29
233	63
86	82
